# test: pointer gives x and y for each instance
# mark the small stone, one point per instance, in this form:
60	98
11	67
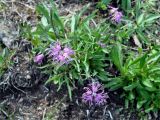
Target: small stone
7	42
28	77
18	69
7	37
20	100
39	108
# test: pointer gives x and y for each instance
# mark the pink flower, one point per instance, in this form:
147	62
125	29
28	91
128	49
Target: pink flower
66	55
116	16
58	46
94	94
100	98
60	54
61	58
55	50
39	58
68	50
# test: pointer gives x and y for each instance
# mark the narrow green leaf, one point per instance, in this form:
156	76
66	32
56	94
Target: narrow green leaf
140	19
142	37
143	61
131	96
58	21
137	8
149	109
126	103
126	4
73	23
140	103
117	56
54	79
130	87
44	21
69	88
151	18
42	9
147	83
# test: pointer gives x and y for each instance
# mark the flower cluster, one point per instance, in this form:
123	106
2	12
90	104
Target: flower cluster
116	16
94	94
39	58
60	54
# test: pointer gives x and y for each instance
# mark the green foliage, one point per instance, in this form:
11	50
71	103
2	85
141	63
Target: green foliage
139	20
138	71
2	6
139	77
82	34
103	4
126	5
5	60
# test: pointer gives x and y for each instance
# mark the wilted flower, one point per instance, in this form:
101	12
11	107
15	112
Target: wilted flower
94	94
60	54
38	58
116	16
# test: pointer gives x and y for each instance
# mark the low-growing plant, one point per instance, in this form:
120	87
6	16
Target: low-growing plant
139	77
73	45
138	22
5	60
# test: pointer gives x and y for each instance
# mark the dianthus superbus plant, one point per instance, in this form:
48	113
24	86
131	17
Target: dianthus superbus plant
74	46
139	77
